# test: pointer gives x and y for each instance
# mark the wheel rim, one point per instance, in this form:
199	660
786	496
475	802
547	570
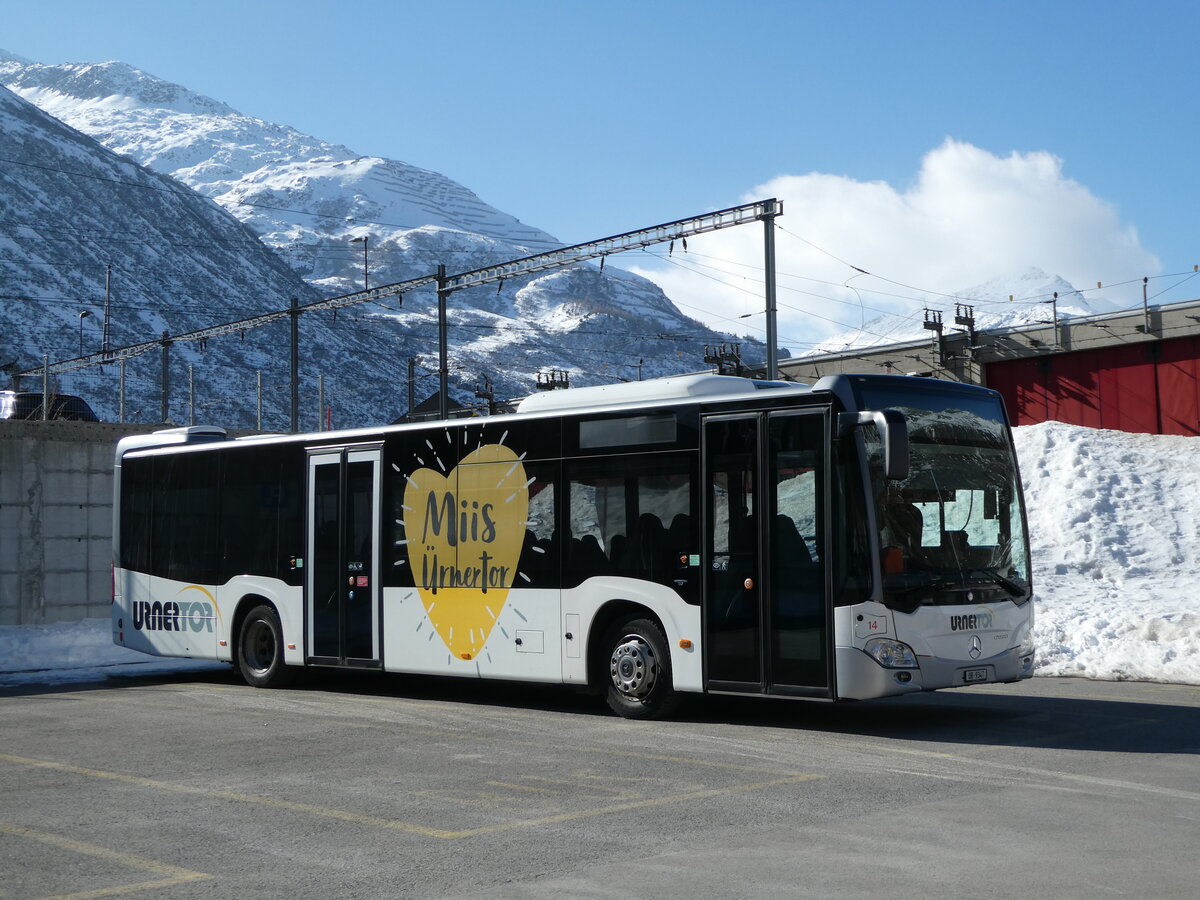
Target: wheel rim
258	649
633	667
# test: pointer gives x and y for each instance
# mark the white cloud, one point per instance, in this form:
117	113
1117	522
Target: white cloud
968	217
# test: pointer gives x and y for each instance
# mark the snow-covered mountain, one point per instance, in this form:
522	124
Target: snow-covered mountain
1001	303
70	209
308	199
300	193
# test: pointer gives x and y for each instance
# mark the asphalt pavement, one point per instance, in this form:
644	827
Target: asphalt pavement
194	785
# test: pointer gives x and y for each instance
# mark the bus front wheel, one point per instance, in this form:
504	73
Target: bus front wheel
260	649
639	670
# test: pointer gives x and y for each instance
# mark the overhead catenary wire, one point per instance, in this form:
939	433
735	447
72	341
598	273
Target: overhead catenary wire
962	296
858	270
526	265
349	253
184	190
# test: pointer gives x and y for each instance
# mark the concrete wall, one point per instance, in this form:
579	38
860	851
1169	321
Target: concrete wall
56	519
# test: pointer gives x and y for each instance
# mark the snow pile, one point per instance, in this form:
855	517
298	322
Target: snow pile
76	652
1116	547
1116	542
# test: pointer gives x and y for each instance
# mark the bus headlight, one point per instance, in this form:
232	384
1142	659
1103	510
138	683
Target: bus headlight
891	654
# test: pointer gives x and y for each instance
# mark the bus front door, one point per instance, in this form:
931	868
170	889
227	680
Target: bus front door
342	578
766	607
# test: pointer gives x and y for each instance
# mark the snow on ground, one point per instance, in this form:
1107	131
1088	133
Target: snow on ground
1116	541
76	651
1116	546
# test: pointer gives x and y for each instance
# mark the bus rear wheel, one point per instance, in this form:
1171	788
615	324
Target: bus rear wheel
260	649
639	670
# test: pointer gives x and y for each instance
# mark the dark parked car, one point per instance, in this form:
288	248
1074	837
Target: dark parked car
28	405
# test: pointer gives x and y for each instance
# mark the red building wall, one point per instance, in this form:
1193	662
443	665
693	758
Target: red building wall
1148	387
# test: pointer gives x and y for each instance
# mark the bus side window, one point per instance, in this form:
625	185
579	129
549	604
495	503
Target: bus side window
261	521
539	554
184	536
137	481
596	524
632	516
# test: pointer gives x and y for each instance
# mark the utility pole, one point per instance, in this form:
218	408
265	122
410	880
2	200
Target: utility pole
964	314
933	322
107	307
83	314
364	240
554	380
484	390
165	380
412	386
768	217
726	357
294	312
443	354
1053	301
1145	307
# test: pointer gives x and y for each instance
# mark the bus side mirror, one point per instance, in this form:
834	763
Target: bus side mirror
893	431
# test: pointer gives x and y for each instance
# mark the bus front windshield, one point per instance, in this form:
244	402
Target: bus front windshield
952	532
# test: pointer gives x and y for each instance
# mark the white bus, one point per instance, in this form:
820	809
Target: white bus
858	538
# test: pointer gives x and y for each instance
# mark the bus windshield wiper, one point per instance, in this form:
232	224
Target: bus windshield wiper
900	600
932	582
1007	583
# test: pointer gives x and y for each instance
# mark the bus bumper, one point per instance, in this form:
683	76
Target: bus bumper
859	677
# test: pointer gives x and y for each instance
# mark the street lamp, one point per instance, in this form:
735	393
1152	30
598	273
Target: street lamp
83	314
363	240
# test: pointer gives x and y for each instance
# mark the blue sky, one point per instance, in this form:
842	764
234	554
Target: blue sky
591	119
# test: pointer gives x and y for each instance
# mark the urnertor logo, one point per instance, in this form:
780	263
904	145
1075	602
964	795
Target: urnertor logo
198	615
977	621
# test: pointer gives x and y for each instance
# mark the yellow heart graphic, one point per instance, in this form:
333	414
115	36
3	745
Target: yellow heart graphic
465	532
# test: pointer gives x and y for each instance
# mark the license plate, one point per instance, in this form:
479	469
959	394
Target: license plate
973	675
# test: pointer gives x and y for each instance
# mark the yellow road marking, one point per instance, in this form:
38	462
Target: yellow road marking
567	783
637	804
1014	768
524	787
394	824
606	751
471	799
586	781
170	876
276	803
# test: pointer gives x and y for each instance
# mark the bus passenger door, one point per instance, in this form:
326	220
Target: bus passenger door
766	609
342	580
